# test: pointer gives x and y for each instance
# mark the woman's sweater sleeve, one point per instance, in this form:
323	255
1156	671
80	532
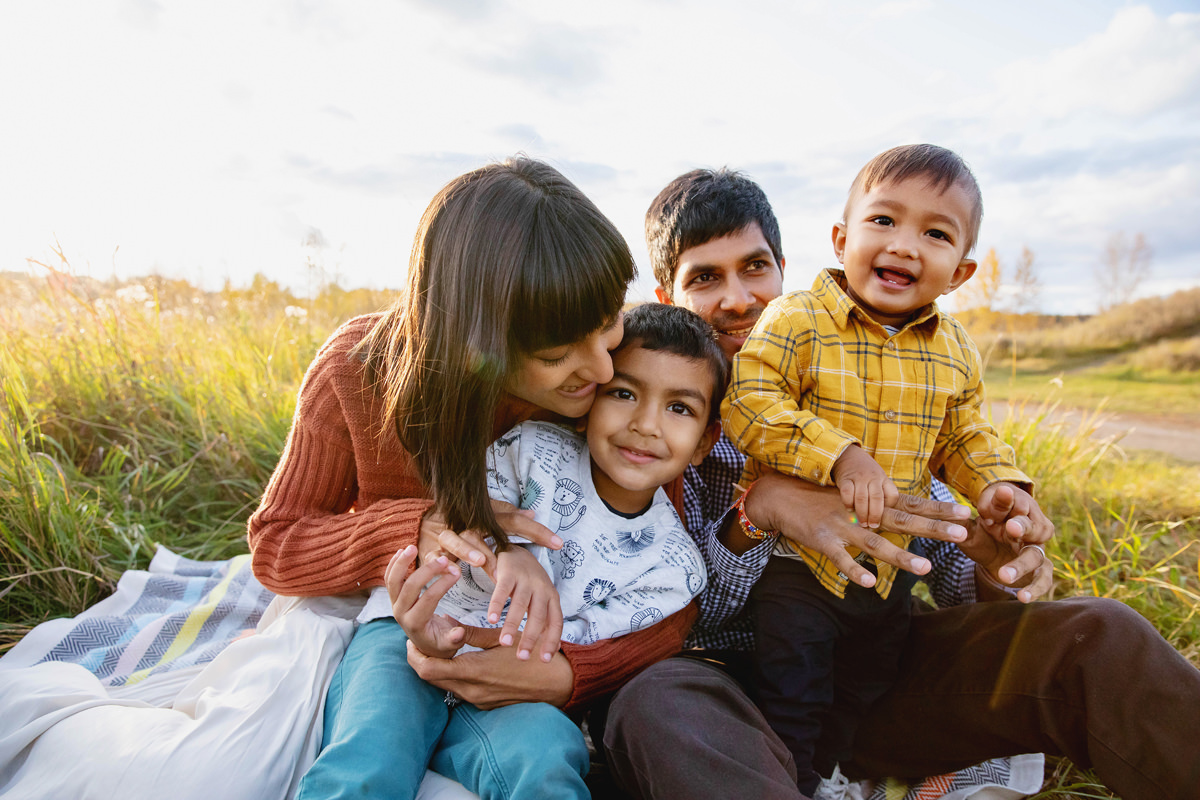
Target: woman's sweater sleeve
317	530
606	666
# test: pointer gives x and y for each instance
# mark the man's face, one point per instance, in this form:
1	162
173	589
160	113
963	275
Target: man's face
727	281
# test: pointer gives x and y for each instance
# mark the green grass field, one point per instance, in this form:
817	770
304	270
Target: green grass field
138	415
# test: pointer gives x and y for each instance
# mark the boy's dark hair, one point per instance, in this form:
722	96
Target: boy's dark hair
943	168
677	330
700	206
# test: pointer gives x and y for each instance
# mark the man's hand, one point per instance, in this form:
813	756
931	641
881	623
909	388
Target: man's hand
494	677
864	485
1007	563
1009	513
437	539
815	517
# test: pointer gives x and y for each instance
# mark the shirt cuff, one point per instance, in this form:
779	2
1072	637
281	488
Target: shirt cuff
753	560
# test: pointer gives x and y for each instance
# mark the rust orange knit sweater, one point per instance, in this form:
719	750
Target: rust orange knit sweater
345	498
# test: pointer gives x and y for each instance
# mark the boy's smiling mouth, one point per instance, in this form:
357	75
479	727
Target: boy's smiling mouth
895	277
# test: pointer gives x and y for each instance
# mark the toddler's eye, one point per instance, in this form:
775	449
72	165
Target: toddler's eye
881	220
935	233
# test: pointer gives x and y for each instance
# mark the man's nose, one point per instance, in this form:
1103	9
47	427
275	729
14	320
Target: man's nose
737	298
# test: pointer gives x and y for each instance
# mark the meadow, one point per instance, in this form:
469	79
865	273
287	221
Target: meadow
152	413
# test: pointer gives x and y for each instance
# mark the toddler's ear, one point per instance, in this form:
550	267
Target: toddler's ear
962	274
839	240
711	435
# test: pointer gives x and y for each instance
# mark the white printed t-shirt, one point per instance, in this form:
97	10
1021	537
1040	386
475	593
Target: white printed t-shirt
614	574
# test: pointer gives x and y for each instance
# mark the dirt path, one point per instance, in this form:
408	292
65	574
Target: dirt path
1141	432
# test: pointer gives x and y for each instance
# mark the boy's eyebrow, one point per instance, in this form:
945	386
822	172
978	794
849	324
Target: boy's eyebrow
638	383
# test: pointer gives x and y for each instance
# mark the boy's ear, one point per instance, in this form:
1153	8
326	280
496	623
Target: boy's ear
962	274
662	296
839	240
712	433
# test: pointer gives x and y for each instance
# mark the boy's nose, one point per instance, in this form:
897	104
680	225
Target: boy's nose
644	422
904	245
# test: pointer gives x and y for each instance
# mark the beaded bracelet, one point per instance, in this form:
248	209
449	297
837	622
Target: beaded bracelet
749	528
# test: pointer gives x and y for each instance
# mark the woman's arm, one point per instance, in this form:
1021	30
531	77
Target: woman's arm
315	533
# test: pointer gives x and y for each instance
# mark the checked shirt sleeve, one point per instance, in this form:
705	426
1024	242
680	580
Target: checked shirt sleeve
969	454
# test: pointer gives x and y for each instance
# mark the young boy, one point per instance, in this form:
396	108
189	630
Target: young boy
626	561
864	383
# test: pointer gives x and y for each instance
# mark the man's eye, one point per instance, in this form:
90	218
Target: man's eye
704	277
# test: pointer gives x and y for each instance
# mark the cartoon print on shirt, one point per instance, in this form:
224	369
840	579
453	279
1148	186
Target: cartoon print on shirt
502	444
598	590
570	557
634	542
531	495
568	495
645	618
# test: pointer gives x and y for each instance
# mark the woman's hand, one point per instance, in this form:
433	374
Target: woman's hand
519	575
437	539
494	677
815	517
415	606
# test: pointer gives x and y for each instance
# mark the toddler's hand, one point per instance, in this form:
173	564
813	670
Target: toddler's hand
864	485
1009	513
521	577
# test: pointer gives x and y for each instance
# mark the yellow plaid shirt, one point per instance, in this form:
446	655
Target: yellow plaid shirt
818	374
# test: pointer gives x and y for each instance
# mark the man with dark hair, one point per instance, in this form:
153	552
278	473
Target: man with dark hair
1087	678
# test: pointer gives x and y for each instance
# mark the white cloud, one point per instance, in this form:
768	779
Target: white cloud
1141	64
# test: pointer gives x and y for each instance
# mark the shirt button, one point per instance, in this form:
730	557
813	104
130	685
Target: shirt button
891	345
816	473
889	415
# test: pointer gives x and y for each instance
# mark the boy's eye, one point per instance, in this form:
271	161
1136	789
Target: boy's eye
935	233
620	394
681	408
881	219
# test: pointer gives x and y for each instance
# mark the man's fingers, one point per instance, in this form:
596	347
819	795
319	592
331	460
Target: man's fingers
876	545
928	523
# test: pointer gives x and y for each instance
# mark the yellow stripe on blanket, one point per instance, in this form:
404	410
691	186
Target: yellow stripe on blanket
195	621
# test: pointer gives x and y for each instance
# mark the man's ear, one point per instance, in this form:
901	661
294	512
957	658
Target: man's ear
663	296
839	240
962	274
782	263
712	433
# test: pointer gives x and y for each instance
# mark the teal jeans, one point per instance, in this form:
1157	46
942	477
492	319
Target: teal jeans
384	725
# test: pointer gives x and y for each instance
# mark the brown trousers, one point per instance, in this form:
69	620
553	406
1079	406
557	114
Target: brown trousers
1086	678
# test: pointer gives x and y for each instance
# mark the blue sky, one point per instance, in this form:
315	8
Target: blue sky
212	141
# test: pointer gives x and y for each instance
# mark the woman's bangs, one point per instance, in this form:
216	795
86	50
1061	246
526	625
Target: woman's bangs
573	285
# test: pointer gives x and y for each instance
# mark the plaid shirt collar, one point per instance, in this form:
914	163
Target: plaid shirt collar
830	289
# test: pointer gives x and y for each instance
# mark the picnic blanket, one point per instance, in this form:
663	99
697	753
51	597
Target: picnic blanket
161	691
